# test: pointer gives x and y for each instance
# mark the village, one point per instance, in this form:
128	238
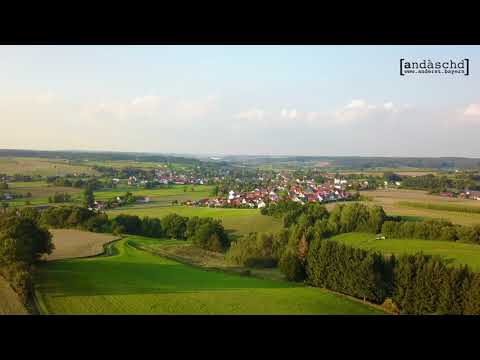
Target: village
299	190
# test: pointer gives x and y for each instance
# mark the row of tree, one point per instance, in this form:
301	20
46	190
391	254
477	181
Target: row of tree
207	233
431	230
22	243
417	284
414	284
59	198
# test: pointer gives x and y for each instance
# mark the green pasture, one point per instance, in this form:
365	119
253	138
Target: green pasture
136	282
454	253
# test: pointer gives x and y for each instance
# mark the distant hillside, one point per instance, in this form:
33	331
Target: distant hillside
360	162
97	156
340	162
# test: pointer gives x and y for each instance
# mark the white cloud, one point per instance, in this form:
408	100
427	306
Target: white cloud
361	110
288	114
252	115
472	110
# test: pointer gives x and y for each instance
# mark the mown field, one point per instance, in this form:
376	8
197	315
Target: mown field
395	202
119	164
70	243
38	166
162	195
240	221
40	191
136	282
453	253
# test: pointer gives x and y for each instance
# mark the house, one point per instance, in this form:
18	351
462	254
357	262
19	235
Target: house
474	195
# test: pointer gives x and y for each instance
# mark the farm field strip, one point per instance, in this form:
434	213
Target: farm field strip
71	243
441	207
390	199
137	282
453	252
40	166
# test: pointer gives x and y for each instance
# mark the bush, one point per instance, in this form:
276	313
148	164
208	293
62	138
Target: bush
291	266
390	306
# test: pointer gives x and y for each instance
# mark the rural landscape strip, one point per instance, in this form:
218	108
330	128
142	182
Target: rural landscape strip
252	273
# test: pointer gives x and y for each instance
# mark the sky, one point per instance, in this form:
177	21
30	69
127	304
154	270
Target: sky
248	100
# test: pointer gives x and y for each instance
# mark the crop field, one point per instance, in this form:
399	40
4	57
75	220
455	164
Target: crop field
394	203
70	243
10	304
146	165
399	171
40	191
442	207
240	221
161	195
453	252
37	166
136	282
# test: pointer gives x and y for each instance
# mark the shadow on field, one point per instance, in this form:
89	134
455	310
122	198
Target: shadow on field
84	278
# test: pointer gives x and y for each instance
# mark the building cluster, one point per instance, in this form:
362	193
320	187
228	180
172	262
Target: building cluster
165	178
302	191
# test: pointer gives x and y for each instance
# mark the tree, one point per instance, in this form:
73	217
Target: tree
88	197
174	226
291	266
215	191
4	206
23	240
472	296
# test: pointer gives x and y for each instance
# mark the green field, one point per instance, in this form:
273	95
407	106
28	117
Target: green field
241	221
419	203
160	196
442	207
39	166
136	282
453	252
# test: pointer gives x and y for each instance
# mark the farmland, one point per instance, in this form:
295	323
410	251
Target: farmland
395	202
71	243
39	166
137	282
453	252
162	195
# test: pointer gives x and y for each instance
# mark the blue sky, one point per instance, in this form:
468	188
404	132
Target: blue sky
303	100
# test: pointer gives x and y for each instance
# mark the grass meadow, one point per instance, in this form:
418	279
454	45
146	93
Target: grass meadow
400	203
453	253
137	282
38	166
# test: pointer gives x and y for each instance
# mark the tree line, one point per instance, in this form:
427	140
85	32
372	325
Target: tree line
431	230
411	284
207	233
415	284
23	241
